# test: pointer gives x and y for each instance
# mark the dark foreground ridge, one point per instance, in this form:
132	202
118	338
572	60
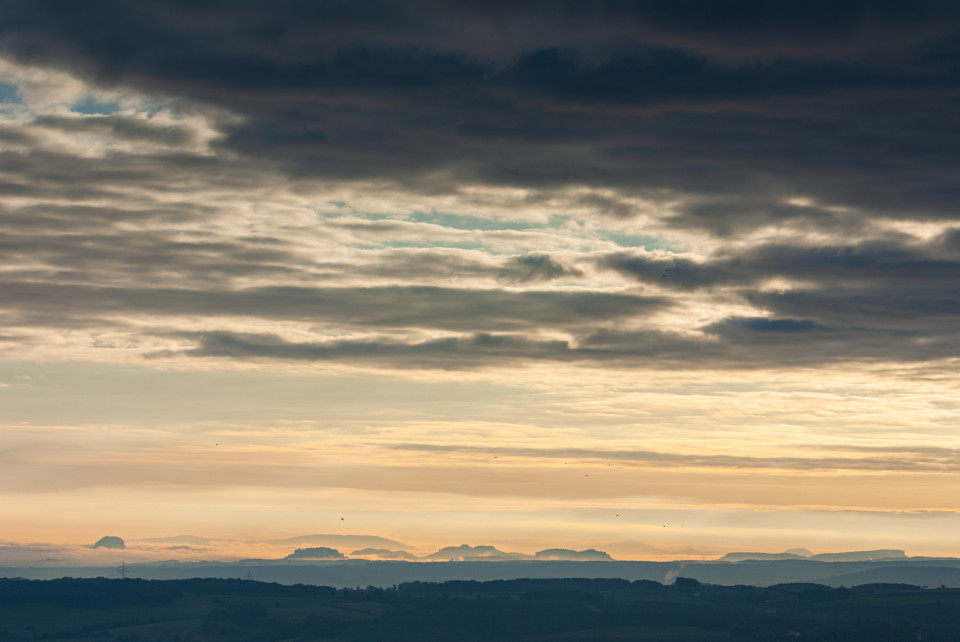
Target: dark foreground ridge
522	609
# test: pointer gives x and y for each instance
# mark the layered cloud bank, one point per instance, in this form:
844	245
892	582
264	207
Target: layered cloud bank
683	241
456	186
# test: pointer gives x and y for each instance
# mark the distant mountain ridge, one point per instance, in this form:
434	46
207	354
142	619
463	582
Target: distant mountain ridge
465	552
382	548
861	556
315	553
849	556
570	555
383	553
760	557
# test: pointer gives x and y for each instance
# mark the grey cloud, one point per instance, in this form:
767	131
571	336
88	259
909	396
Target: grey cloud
609	206
378	307
949	241
736	343
931	315
14	135
120	126
60	218
534	267
870	300
870	266
428	266
679	273
451	353
124	256
729	216
124	177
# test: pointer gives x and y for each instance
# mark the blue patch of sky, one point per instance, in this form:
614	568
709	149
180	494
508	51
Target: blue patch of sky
10	93
493	223
482	223
91	106
465	245
634	240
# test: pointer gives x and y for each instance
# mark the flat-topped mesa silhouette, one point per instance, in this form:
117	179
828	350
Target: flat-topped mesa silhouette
759	557
862	556
110	541
792	554
315	553
383	553
566	554
465	553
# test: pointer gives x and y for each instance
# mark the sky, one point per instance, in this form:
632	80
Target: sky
532	275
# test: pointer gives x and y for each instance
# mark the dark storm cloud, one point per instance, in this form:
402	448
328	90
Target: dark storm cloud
830	99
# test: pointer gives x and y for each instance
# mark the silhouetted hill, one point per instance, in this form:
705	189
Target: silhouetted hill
465	552
861	556
110	541
383	553
851	556
739	557
567	554
385	573
315	553
802	552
